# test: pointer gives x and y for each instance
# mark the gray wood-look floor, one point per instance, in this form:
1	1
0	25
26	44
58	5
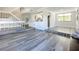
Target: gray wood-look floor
33	40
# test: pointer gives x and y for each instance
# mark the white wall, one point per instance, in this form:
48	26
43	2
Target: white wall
44	24
71	24
39	25
52	20
77	21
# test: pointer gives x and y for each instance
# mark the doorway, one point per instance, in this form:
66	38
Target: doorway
48	21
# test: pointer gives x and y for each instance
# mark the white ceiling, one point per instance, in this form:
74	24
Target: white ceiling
7	8
36	9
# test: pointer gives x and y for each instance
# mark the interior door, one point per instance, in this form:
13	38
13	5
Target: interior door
48	21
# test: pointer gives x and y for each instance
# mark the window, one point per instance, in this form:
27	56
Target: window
64	17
